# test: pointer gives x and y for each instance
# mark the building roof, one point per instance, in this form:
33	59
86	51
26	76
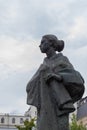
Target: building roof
82	108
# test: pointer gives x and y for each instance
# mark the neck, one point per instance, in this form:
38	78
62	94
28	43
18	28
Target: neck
50	53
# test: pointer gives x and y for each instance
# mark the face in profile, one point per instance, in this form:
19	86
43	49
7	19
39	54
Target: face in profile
45	45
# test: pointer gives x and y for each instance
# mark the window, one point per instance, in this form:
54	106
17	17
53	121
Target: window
35	112
26	119
2	120
13	120
21	120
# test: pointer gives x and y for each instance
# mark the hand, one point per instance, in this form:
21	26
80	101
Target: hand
53	76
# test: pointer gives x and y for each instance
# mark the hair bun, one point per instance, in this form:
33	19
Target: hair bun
60	46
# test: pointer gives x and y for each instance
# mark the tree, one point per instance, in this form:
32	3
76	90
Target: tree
75	126
28	125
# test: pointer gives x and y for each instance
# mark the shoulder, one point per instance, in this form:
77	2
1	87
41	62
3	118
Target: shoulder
61	56
64	60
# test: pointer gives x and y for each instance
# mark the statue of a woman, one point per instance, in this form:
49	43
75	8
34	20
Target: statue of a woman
55	87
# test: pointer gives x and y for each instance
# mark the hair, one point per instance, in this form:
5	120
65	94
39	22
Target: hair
58	45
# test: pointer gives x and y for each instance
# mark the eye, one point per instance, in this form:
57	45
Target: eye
42	42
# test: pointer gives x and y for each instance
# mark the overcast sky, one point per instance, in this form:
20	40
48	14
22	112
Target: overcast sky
22	24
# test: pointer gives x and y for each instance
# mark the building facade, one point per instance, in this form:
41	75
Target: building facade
31	112
9	121
82	111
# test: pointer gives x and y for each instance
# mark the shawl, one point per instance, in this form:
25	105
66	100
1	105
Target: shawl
59	65
47	99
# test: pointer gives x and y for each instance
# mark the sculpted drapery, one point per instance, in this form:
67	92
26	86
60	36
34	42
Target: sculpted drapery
48	99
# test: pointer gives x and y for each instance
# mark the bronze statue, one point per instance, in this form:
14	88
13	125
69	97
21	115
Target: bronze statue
55	87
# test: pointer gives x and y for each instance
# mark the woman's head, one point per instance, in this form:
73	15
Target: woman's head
58	45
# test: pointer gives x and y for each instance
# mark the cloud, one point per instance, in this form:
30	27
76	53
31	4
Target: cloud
60	18
19	54
78	29
13	92
19	20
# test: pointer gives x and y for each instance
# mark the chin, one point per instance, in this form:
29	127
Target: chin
43	51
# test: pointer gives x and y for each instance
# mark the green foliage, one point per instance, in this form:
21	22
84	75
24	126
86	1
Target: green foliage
28	125
75	126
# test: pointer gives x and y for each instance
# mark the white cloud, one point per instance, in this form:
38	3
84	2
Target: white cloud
81	52
17	54
78	28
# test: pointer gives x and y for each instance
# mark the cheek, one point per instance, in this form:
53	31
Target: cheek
44	46
47	46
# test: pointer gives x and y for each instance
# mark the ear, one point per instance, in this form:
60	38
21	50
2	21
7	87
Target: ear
51	43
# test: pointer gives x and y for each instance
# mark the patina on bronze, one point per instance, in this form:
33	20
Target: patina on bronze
55	87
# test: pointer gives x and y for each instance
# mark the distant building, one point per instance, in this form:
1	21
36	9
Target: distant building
31	112
8	121
75	112
82	111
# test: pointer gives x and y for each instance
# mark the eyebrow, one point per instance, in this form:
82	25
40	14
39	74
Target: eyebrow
42	41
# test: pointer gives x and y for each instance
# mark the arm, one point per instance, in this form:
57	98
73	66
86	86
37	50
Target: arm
52	76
